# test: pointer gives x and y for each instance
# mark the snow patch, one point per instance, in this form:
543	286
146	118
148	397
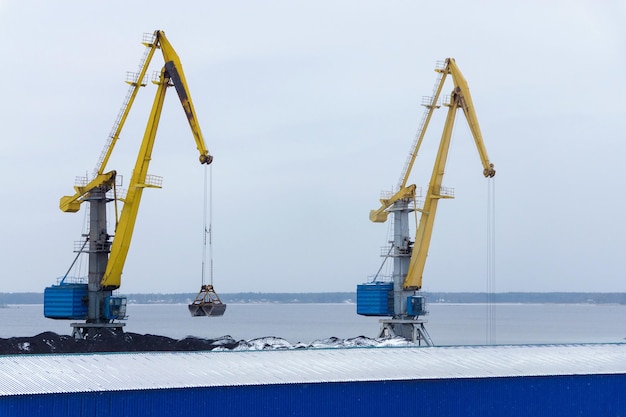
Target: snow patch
277	343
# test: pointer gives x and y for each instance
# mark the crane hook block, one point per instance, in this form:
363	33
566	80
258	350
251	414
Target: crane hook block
206	159
489	172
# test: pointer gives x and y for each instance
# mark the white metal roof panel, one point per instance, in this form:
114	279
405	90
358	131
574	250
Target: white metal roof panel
33	374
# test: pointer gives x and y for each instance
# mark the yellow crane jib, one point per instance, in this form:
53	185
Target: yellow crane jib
459	98
174	68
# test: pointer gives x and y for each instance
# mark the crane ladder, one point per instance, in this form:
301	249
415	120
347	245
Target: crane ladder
135	83
428	102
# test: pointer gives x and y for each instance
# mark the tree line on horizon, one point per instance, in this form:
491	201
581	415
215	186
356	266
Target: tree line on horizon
350	297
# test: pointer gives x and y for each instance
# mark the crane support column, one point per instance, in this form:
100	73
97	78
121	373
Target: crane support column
99	247
402	249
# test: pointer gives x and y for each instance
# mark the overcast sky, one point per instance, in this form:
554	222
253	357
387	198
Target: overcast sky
310	109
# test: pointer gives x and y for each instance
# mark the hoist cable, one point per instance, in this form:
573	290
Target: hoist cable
207	214
491	262
204	226
210	231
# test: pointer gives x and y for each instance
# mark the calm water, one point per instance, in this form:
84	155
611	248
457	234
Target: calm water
448	324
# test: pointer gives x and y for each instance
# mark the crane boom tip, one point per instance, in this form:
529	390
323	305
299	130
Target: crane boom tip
206	159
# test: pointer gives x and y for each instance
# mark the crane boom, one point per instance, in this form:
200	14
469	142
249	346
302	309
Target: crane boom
175	70
172	72
121	243
462	94
460	98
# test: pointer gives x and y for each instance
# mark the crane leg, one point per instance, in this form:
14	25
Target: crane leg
412	330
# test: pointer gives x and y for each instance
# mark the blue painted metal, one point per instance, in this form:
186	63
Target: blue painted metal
554	396
416	305
374	299
114	307
65	301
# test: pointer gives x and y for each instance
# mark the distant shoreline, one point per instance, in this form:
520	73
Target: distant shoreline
7	299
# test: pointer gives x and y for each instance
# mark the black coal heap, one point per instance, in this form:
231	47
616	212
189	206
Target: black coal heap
107	340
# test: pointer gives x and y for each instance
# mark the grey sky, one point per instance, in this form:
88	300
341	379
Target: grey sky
310	108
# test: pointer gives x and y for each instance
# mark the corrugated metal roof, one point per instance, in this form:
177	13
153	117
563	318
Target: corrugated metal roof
33	374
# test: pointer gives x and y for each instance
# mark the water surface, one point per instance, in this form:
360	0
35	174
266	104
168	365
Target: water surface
448	324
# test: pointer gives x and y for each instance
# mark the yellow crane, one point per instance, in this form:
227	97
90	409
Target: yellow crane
94	301
400	298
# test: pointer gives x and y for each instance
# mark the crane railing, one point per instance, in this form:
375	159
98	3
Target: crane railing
445	192
80	246
386	195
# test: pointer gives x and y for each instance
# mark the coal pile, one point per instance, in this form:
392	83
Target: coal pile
110	341
115	341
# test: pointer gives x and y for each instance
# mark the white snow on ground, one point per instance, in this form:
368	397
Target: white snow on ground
277	343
